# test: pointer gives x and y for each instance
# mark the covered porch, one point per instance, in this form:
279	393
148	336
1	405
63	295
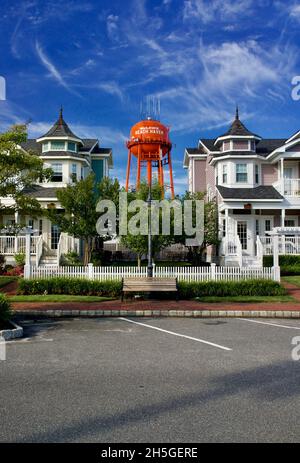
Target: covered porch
245	234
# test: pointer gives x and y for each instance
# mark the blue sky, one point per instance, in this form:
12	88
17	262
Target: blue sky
100	58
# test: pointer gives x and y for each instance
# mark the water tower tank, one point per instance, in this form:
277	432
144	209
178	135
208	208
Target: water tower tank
150	143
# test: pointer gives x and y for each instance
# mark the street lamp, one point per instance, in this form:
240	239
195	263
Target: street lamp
150	263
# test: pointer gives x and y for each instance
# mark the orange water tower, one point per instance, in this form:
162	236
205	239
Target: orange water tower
150	144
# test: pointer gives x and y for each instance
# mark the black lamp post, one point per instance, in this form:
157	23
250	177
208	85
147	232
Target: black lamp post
150	263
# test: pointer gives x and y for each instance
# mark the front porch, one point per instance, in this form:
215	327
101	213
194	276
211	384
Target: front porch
40	252
246	235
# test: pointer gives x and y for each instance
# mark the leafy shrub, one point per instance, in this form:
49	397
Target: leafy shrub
71	286
113	288
71	258
289	264
190	290
5	308
15	271
20	259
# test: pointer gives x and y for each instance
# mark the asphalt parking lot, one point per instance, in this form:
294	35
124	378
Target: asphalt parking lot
151	380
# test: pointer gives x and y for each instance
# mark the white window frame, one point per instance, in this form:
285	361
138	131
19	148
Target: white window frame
242	173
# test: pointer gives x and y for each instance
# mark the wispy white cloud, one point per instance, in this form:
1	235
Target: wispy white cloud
112	27
52	69
295	11
222	10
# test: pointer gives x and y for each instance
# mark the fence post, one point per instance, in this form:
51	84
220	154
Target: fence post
27	267
213	271
90	271
276	274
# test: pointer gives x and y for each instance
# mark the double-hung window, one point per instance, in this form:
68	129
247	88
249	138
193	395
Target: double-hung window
256	174
241	173
225	174
57	175
74	173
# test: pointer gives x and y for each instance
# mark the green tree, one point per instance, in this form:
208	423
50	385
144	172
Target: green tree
211	228
79	217
139	243
19	171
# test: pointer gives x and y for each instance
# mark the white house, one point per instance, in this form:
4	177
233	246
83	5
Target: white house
71	158
256	183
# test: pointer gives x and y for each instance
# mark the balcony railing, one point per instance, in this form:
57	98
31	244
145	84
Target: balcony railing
292	187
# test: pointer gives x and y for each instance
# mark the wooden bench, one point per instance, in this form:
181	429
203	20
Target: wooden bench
149	285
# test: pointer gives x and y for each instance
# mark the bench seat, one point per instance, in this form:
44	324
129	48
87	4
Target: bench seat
148	285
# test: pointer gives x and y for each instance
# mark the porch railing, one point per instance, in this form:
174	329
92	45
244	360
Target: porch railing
231	247
287	245
10	245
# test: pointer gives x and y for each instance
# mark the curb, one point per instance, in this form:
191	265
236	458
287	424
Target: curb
16	332
162	313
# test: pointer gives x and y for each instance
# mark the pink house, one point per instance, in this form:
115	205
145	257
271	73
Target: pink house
256	183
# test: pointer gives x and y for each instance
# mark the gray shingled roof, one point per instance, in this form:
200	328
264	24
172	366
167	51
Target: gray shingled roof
260	192
41	192
60	129
263	147
238	128
32	145
195	151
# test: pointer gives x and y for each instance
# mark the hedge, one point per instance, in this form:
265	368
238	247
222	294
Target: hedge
289	264
72	286
5	308
231	288
187	290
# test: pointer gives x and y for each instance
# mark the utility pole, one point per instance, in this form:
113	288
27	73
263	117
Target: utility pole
150	263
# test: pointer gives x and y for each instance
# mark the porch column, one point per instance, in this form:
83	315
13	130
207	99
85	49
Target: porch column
16	236
281	240
276	267
282	175
227	223
282	218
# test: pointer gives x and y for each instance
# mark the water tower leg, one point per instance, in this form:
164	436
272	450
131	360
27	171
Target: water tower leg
128	170
171	175
138	177
150	173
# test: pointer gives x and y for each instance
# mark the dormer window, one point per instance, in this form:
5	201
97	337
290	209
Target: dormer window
72	147
240	145
45	147
226	145
58	146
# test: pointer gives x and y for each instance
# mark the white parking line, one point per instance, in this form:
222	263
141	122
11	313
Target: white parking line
28	340
271	324
177	334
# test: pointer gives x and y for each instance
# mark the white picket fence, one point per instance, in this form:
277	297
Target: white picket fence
213	273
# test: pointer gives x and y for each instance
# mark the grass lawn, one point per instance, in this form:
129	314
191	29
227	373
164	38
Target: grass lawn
245	299
6	280
294	280
58	298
